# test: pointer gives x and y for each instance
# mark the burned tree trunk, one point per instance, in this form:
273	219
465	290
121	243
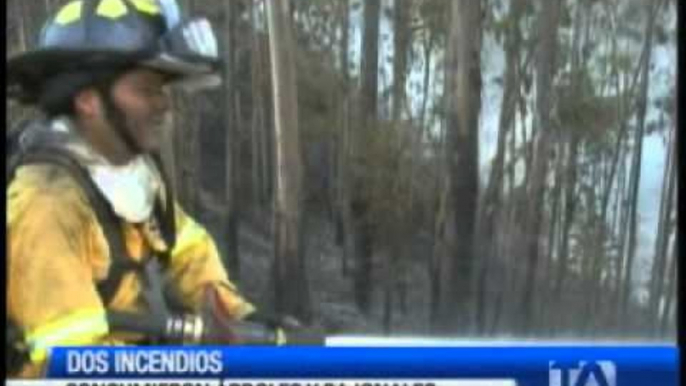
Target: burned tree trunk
463	105
368	116
344	220
545	69
231	142
290	279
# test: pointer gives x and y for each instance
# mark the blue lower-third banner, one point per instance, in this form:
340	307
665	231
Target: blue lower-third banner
348	366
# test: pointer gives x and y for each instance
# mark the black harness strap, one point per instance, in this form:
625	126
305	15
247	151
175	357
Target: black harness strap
110	223
166	214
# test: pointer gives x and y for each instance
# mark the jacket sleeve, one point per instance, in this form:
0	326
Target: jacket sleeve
195	264
51	294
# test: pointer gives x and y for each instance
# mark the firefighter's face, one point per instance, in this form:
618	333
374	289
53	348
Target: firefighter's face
142	103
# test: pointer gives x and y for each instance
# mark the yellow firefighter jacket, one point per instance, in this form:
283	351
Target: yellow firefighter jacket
57	253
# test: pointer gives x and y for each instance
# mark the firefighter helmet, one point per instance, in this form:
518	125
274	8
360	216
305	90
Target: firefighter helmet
87	35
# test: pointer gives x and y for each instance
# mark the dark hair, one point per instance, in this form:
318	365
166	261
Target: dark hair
57	93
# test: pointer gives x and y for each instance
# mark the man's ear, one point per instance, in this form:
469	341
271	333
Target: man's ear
87	103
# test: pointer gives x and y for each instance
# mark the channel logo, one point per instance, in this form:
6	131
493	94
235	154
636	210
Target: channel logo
596	373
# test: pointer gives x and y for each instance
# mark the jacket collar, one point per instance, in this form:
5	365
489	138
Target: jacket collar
131	189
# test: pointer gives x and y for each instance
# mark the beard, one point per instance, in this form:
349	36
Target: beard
155	132
163	125
124	127
141	135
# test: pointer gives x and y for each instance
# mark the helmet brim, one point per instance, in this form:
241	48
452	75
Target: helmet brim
30	69
36	66
182	67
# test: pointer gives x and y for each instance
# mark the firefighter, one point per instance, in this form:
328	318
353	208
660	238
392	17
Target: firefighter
100	75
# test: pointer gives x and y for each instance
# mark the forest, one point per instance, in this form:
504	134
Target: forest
464	168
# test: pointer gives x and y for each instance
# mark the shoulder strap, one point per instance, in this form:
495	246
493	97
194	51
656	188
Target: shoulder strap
166	213
108	220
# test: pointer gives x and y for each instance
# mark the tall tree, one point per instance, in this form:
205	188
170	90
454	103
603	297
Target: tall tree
290	279
368	112
401	43
260	177
667	317
232	145
344	220
664	233
635	174
547	30
490	205
571	172
463	105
